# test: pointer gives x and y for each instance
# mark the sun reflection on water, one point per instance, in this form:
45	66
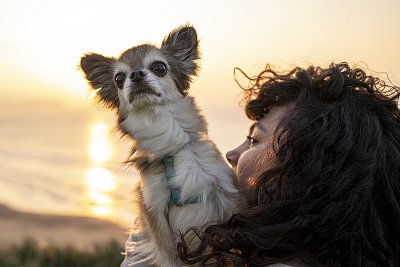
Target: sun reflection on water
99	181
100	149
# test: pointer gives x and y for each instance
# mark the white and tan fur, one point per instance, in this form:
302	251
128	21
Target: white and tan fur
162	119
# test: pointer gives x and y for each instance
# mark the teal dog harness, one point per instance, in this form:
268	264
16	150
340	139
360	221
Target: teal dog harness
176	192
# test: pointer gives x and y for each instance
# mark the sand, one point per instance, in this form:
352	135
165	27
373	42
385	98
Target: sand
81	232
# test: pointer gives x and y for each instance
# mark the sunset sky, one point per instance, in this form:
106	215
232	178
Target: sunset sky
41	41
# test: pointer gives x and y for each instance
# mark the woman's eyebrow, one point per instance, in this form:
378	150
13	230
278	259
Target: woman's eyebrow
256	125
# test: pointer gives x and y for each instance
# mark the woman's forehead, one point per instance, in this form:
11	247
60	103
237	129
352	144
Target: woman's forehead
274	115
252	126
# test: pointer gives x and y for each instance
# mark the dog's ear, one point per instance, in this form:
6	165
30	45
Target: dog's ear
98	71
181	47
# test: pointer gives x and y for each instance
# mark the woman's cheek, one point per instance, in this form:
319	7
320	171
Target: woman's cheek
253	163
245	168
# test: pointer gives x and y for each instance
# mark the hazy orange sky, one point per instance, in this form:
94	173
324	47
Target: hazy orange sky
41	42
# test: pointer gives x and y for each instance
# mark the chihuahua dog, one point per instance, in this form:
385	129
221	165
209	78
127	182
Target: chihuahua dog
185	181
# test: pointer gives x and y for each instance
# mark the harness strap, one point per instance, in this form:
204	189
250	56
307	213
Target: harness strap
175	190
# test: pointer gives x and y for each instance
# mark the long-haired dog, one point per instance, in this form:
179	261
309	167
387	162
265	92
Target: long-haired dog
185	181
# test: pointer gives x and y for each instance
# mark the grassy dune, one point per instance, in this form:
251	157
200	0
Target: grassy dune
40	240
30	254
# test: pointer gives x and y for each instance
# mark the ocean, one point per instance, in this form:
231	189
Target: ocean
60	159
56	159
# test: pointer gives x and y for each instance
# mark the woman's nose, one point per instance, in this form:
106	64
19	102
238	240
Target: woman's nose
232	157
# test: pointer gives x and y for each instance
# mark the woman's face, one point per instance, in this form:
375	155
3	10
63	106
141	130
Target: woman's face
253	156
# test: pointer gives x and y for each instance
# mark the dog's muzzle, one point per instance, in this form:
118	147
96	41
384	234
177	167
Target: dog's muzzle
142	90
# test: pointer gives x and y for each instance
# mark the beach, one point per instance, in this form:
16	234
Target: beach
82	233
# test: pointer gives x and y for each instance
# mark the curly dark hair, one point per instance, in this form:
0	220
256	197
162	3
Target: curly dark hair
333	196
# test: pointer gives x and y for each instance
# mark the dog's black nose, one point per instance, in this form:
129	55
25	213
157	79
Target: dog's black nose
137	76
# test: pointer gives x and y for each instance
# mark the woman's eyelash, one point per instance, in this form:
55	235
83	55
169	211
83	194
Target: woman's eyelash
251	140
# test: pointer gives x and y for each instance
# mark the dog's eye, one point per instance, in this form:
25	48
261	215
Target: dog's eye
159	68
120	79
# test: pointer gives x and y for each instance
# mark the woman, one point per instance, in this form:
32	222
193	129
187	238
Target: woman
321	172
